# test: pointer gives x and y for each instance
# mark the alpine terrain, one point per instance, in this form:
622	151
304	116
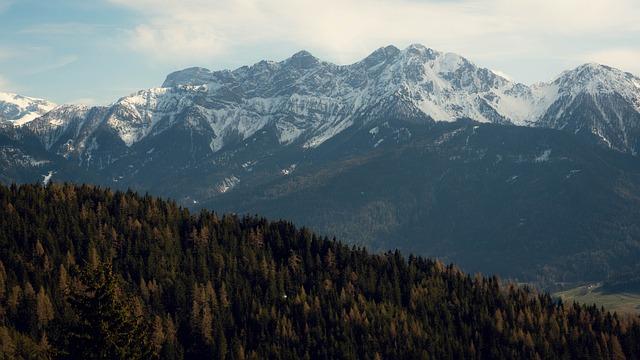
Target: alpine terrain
413	149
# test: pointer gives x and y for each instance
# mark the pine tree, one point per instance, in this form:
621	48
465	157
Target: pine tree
44	308
106	327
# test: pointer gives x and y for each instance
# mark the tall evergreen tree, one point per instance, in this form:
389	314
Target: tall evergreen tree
106	327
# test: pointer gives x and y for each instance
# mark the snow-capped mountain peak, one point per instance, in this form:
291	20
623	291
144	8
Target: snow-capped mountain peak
19	110
596	99
381	55
303	59
307	101
598	79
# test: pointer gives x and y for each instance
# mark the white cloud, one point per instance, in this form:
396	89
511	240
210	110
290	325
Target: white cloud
346	30
568	17
176	40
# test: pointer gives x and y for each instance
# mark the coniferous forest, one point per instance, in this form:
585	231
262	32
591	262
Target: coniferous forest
88	273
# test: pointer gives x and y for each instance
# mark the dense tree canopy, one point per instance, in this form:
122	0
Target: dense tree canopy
88	272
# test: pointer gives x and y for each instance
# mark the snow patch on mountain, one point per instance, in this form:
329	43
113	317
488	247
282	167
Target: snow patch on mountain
543	157
134	116
227	184
18	158
63	120
19	110
289	170
47	178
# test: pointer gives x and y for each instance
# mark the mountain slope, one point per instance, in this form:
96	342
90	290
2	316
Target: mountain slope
200	285
535	204
597	100
527	203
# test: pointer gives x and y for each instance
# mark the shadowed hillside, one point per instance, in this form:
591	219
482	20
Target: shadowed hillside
89	273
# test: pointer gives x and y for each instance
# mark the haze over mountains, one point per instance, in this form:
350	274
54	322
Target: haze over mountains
409	148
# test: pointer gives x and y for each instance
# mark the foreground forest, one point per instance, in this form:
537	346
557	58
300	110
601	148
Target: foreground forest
90	273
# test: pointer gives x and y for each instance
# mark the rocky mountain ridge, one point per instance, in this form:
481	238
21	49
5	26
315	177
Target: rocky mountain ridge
308	101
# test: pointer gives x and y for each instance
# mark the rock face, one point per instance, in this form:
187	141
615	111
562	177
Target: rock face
598	100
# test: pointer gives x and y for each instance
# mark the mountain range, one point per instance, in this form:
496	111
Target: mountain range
308	101
413	148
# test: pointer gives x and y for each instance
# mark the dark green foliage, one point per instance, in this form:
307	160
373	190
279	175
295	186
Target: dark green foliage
205	286
105	324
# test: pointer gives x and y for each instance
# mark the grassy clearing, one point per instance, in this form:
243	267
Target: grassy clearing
592	294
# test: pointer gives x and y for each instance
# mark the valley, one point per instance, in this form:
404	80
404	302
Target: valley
622	303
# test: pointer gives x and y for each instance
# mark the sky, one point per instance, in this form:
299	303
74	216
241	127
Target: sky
95	51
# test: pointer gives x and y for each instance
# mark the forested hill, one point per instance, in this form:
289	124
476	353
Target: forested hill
90	273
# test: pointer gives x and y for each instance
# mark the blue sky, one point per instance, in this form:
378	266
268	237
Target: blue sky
94	51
